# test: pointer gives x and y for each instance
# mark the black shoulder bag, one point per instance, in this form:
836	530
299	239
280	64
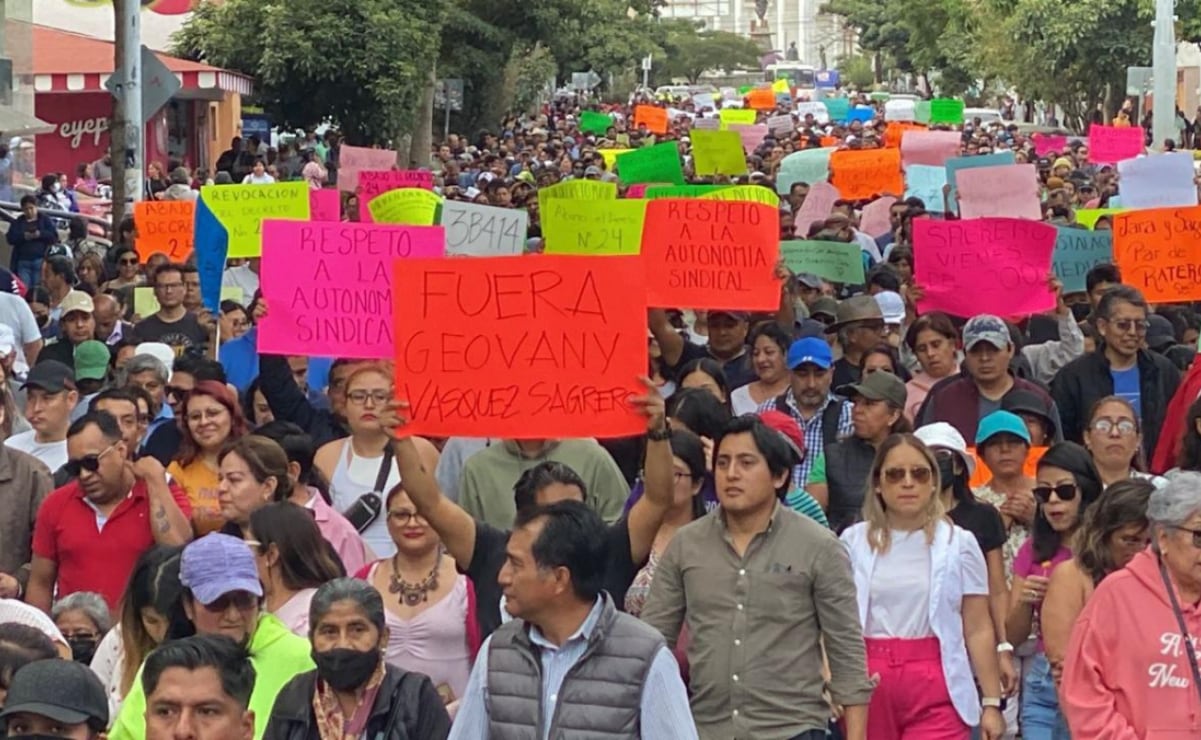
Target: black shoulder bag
366	509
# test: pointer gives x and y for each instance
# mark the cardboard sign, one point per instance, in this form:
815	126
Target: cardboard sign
837	108
711	254
658	163
579	190
164	227
703	101
896	130
717	153
813	108
837	262
241	209
1112	144
958	164
592	122
351	159
483	231
377	182
329	285
1088	217
681	191
874	219
409	206
860	113
325	205
1076	252
610	156
816	207
1006	191
707	124
946	110
1045	144
985	265
760	99
751	136
859	174
808	166
742	116
1158	180
749	193
900	110
521	348
932	148
592	227
1156	251
925	182
652	117
781	125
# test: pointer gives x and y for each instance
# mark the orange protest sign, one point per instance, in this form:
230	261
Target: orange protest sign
164	226
861	174
828	141
1156	250
897	129
762	99
520	348
654	118
711	254
983	475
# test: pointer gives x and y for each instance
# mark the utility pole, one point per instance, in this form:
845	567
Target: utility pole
127	126
1163	66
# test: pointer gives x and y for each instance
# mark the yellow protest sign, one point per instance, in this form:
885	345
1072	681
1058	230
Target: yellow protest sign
145	304
610	156
593	227
752	193
242	208
780	87
579	190
718	153
1088	217
742	116
407	206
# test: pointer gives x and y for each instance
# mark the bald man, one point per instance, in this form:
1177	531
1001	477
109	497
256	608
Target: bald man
110	329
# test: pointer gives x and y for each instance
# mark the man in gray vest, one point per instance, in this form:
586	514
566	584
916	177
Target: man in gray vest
569	664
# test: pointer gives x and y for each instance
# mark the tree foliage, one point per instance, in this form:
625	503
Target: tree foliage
363	63
689	51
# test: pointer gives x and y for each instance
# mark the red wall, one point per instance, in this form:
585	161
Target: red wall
81	131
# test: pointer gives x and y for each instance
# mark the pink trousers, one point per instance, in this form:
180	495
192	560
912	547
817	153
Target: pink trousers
911	701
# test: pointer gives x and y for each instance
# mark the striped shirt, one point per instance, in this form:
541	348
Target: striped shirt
811	428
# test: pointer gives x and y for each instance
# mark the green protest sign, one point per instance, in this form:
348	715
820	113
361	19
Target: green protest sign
921	111
837	262
680	191
592	122
658	163
946	110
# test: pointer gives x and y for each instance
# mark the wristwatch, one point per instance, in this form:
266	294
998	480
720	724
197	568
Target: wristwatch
661	434
990	701
1004	647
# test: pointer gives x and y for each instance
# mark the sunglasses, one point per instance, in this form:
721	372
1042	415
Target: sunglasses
90	463
1064	492
917	474
127	262
176	391
241	600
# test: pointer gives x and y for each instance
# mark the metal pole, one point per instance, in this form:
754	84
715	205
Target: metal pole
446	110
1163	65
130	98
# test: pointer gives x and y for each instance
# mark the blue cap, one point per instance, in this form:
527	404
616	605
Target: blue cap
810	350
1001	422
218	564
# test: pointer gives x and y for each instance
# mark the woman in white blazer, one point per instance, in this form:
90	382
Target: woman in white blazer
922	587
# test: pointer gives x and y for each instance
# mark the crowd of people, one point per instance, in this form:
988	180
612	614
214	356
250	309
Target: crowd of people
846	518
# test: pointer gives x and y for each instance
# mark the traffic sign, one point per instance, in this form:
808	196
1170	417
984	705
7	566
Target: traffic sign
449	90
159	84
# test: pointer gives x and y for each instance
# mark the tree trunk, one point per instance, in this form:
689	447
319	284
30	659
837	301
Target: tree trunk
117	142
423	127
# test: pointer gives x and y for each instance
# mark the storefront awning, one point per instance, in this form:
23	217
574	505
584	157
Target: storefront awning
70	62
15	123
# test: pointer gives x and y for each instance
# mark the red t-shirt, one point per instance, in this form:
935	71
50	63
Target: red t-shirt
92	559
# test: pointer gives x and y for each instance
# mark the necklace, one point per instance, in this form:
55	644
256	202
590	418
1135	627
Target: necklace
412	594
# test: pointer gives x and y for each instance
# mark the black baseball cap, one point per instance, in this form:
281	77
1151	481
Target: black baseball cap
61	690
51	376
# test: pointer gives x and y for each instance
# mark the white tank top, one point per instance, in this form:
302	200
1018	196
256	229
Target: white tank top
354	476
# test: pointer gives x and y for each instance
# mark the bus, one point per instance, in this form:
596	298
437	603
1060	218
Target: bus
802	78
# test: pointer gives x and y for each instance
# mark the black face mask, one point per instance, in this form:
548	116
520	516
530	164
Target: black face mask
1080	311
83	648
345	669
946	471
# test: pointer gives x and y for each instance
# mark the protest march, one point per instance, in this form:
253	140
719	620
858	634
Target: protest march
748	417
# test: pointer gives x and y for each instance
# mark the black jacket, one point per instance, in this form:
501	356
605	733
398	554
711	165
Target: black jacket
288	402
406	708
1086	380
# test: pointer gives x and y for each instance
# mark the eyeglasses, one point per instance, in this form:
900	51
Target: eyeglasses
1064	492
206	415
1138	326
403	517
917	474
177	392
127	262
1105	425
678	476
81	635
1196	533
90	463
359	398
169	286
243	601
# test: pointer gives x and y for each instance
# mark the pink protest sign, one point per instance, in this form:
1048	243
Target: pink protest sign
817	206
329	285
378	182
325	205
874	219
1004	191
931	148
752	135
1112	144
351	159
639	190
984	265
1049	144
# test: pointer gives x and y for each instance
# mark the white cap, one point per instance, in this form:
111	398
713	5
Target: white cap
159	351
892	305
944	436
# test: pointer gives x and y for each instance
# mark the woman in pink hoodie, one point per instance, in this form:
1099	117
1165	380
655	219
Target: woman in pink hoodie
1131	667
